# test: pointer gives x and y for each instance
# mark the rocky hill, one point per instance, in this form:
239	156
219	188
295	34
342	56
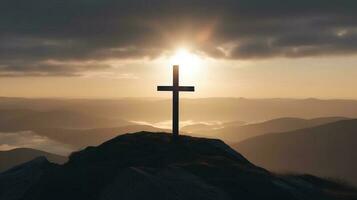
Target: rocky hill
151	166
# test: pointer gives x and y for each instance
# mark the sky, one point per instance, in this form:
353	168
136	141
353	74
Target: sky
226	48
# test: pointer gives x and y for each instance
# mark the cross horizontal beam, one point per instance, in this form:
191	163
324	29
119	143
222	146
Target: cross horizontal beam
180	88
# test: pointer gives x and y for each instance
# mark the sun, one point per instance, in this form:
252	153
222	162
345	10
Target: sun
184	58
189	62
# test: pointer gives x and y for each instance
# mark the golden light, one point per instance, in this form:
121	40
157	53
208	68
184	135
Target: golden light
189	62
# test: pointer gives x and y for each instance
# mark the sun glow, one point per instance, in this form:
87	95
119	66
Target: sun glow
189	62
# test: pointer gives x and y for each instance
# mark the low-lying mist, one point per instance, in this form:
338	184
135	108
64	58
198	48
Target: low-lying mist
28	139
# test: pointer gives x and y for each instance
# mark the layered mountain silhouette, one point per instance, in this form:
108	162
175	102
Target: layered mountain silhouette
24	119
207	128
195	128
328	150
236	132
18	156
200	110
151	166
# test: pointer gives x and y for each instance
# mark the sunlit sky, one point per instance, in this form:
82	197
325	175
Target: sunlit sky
293	78
116	49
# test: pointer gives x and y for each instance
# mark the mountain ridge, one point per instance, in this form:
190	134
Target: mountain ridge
17	156
325	150
238	132
216	109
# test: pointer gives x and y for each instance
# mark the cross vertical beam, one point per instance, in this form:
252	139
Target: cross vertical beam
175	88
175	102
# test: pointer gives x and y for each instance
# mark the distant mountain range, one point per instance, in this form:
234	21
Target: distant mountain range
206	127
18	156
151	166
235	132
200	110
231	132
19	120
327	150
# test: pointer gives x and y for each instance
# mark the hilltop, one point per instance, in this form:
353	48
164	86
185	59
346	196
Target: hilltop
148	165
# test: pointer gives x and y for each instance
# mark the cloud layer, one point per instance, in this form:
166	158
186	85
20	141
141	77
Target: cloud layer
34	34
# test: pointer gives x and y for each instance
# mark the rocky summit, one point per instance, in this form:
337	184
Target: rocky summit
148	165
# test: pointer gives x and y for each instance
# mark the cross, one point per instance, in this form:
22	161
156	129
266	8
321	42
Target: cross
175	88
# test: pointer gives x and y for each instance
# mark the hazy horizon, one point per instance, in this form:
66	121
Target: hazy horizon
169	97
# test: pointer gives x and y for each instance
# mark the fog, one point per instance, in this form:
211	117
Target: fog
167	124
28	139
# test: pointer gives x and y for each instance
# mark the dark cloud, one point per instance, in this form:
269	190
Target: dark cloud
35	31
48	68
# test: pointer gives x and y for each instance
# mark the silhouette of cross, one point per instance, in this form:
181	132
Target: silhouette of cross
175	88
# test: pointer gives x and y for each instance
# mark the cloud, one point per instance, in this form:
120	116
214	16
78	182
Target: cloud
28	139
50	68
33	32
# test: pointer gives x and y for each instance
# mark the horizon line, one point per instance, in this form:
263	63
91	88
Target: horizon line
187	98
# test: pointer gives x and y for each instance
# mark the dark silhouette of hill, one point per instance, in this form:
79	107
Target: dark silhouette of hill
328	150
18	156
150	166
234	133
18	120
80	138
